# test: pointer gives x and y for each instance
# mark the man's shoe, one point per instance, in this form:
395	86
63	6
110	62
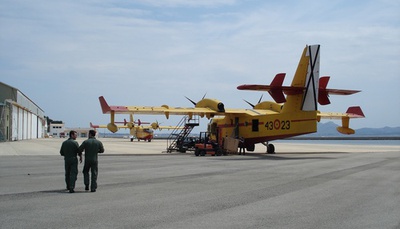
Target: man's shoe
93	190
87	187
71	190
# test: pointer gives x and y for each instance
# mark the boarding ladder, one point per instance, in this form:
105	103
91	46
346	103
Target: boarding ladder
179	135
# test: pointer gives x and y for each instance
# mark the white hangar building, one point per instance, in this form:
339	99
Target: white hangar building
20	117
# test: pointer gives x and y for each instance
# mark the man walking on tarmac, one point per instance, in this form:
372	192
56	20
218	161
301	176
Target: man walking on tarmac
92	148
69	149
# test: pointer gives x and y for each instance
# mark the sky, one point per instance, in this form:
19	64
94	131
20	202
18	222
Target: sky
64	54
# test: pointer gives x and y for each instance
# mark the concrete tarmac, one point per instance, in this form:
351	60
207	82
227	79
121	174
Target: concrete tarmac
302	186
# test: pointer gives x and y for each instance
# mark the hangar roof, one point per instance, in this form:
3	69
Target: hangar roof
8	92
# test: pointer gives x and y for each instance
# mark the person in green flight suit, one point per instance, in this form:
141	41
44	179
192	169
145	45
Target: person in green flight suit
92	148
70	151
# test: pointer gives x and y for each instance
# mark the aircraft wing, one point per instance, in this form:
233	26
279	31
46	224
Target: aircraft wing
340	91
352	112
97	126
156	110
167	111
105	126
250	112
323	83
205	108
170	127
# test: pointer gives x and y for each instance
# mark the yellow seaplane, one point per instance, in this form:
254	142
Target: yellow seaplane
136	129
291	115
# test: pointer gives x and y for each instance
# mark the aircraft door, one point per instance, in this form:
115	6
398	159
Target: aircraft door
213	129
254	125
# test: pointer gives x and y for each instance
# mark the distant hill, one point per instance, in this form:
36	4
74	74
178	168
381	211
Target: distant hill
329	129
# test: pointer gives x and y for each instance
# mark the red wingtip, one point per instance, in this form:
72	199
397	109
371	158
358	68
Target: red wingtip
94	126
356	111
104	106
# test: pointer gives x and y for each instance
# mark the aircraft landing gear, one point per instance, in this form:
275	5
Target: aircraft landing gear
270	148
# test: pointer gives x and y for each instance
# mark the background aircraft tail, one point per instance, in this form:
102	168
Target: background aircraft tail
306	76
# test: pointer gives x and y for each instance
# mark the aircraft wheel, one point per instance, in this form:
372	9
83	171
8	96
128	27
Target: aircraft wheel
271	149
218	153
203	153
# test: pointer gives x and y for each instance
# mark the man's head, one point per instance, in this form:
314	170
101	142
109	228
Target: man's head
73	134
92	133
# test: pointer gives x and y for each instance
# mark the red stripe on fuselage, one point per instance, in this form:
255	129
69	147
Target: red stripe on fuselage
262	123
304	120
240	124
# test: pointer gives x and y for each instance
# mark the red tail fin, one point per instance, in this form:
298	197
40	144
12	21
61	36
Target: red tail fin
323	97
276	88
278	80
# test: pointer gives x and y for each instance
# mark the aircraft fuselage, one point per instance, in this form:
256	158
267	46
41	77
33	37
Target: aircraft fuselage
263	128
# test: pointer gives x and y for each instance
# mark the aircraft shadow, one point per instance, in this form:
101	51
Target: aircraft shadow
256	156
315	153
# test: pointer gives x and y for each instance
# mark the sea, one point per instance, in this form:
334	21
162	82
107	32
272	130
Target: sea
341	142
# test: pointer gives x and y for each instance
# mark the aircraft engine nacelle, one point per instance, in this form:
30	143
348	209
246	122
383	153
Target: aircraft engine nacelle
130	125
268	105
213	104
154	125
112	127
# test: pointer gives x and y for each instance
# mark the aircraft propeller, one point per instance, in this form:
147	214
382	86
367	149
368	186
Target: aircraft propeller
193	102
155	125
252	105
